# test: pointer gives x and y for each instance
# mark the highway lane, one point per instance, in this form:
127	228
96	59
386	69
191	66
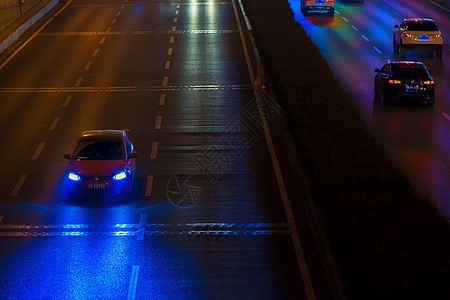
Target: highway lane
358	40
206	219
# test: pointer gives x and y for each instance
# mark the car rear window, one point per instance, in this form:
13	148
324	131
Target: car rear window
103	150
410	72
422	27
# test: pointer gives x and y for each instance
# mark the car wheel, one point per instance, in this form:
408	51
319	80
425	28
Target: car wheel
439	52
403	51
396	46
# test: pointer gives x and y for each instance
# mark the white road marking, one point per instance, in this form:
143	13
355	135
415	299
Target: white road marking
19	184
174	28
172	38
336	12
122	7
364	37
38	150
133	283
87	66
118	13
354	28
376	49
165	80
102	40
158	122
162	99
109	29
446	116
95	52
169	51
178	6
154	150
345	19
78	81
167	66
175	20
149	186
54	123
176	12
114	21
68	98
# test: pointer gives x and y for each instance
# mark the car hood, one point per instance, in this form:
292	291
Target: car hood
97	167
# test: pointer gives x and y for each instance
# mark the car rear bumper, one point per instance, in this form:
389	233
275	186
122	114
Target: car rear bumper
423	47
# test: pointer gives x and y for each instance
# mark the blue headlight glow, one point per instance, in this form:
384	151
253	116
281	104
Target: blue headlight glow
74	177
120	176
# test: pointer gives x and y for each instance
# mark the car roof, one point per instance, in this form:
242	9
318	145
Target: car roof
408	63
104	135
420	20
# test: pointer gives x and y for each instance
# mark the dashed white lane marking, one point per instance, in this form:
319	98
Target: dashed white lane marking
345	19
165	80
19	184
118	13
95	52
133	283
169	51
174	28
38	151
364	37
167	66
114	21
68	98
396	13
172	39
54	123
109	29
141	230
158	122
78	81
376	49
175	20
102	40
154	150
354	28
149	186
176	12
122	7
162	99
87	66
446	116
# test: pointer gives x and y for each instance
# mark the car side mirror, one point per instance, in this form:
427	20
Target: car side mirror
132	155
377	70
67	156
395	26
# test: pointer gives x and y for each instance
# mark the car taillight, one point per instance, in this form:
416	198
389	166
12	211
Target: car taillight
408	35
428	82
438	35
394	81
330	0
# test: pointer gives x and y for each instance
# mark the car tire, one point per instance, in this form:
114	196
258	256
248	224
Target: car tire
439	52
403	51
396	46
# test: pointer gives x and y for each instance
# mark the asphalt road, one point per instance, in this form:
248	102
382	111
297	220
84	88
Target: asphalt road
358	40
208	218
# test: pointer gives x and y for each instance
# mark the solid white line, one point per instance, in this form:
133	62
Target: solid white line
162	99
279	176
78	82
165	79
172	38
19	184
364	37
167	66
66	103
158	122
169	51
345	19
446	116
95	52
149	186
54	123
88	65
354	28
176	12
378	50
38	151
154	150
133	283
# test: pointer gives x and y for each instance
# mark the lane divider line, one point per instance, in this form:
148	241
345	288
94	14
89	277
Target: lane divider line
133	283
54	123
354	28
376	49
68	98
162	99
18	186
77	84
364	37
167	66
102	40
109	29
149	186
38	151
118	13
174	28
175	20
345	19
169	51
172	39
446	116
154	150
87	66
114	21
165	80
158	122
95	52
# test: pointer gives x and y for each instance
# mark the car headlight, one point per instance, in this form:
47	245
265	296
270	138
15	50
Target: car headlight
120	176
74	177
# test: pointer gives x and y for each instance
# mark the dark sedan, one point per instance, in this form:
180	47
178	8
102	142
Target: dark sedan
404	81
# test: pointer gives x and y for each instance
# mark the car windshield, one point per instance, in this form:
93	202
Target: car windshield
410	72
104	150
422	27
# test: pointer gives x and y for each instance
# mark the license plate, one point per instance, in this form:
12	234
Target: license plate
97	186
412	87
423	37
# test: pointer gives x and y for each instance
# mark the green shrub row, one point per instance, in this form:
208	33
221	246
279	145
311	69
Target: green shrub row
388	242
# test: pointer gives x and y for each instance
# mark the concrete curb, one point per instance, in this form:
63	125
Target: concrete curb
25	26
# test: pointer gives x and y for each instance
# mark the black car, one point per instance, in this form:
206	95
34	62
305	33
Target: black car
404	81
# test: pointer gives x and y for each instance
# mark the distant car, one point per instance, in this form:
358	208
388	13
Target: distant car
103	162
401	81
317	7
417	34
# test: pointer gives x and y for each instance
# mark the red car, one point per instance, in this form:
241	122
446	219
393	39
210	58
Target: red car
103	162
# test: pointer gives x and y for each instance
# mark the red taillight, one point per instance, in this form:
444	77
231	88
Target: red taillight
394	81
408	35
428	82
438	35
330	0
